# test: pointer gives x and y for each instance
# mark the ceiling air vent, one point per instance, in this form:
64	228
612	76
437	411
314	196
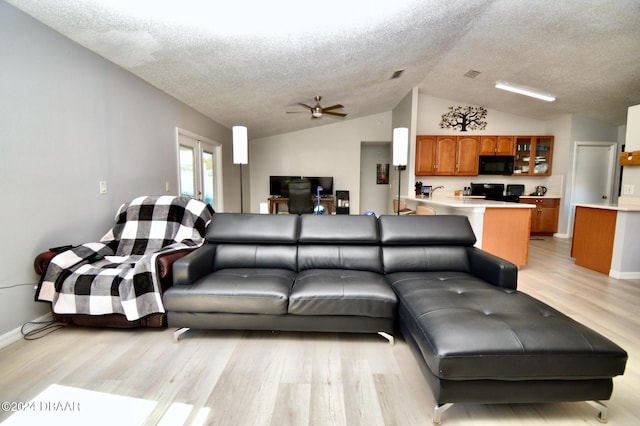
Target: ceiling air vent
396	74
472	73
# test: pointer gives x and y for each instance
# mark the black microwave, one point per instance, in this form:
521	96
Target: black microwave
496	165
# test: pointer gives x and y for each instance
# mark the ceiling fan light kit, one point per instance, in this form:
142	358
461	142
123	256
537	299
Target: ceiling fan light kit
318	111
525	91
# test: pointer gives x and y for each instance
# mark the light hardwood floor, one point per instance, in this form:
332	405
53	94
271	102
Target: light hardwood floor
257	378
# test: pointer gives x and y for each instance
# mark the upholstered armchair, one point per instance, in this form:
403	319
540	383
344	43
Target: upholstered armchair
119	280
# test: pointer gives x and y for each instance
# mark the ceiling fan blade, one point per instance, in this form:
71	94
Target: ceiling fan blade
338	114
296	112
306	106
336	106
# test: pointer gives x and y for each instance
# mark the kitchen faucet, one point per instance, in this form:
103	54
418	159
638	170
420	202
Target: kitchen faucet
434	190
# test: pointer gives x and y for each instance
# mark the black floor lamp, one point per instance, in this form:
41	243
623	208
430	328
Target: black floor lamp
240	153
400	153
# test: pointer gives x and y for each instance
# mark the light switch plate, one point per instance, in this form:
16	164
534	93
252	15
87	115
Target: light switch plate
627	190
103	187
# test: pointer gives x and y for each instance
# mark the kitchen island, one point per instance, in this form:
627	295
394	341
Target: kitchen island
605	239
501	228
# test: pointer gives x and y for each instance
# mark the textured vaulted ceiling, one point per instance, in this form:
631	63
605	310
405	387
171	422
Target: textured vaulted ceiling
248	62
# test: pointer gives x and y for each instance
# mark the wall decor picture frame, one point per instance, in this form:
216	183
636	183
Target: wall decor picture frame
464	118
382	174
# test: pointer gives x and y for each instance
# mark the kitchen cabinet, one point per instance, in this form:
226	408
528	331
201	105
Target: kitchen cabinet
544	218
425	155
447	155
533	155
497	145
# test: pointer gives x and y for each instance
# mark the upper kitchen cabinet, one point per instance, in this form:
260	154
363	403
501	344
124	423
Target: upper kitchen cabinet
425	155
533	155
447	155
497	145
467	155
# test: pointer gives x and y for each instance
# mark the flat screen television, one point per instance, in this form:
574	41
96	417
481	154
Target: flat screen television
279	185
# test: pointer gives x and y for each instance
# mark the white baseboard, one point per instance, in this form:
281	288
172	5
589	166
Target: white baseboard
624	275
15	334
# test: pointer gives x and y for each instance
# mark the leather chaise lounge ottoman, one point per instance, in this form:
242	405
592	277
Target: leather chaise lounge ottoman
478	339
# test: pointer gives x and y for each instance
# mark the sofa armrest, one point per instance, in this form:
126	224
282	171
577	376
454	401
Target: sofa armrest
493	269
164	264
42	260
193	266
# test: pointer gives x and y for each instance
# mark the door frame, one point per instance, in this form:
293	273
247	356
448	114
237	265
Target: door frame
613	156
218	199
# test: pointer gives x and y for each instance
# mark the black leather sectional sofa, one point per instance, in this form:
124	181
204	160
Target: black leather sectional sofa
477	339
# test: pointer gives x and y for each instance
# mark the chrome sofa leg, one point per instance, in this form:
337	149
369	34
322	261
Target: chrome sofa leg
387	336
179	332
602	410
438	410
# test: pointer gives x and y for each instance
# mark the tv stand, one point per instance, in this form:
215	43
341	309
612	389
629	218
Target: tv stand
275	202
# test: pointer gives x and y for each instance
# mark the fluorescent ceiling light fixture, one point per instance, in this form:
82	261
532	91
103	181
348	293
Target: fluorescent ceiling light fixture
525	91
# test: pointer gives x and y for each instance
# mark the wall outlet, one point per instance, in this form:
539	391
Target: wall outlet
627	190
103	187
167	186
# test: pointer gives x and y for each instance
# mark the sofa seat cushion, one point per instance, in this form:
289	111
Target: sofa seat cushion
468	329
342	292
246	291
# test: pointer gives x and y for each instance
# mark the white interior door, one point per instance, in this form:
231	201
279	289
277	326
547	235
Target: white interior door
593	174
199	169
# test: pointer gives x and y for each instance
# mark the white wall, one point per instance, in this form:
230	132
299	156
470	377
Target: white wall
68	119
631	174
331	150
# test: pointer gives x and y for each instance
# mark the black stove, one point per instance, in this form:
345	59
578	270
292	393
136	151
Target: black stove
496	192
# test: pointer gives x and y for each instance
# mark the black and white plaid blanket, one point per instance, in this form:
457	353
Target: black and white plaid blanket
118	273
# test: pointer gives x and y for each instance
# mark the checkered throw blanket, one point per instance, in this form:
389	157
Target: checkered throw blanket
118	273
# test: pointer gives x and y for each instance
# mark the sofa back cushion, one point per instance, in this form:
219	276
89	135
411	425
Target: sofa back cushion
339	242
248	228
425	243
245	240
423	230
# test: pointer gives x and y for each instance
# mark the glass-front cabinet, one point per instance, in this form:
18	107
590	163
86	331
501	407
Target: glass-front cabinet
533	155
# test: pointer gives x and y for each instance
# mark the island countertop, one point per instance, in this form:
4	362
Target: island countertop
467	203
609	206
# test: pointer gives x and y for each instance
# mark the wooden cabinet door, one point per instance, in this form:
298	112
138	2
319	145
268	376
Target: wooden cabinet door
467	155
522	164
505	145
548	217
541	156
544	218
497	145
446	155
425	155
488	145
